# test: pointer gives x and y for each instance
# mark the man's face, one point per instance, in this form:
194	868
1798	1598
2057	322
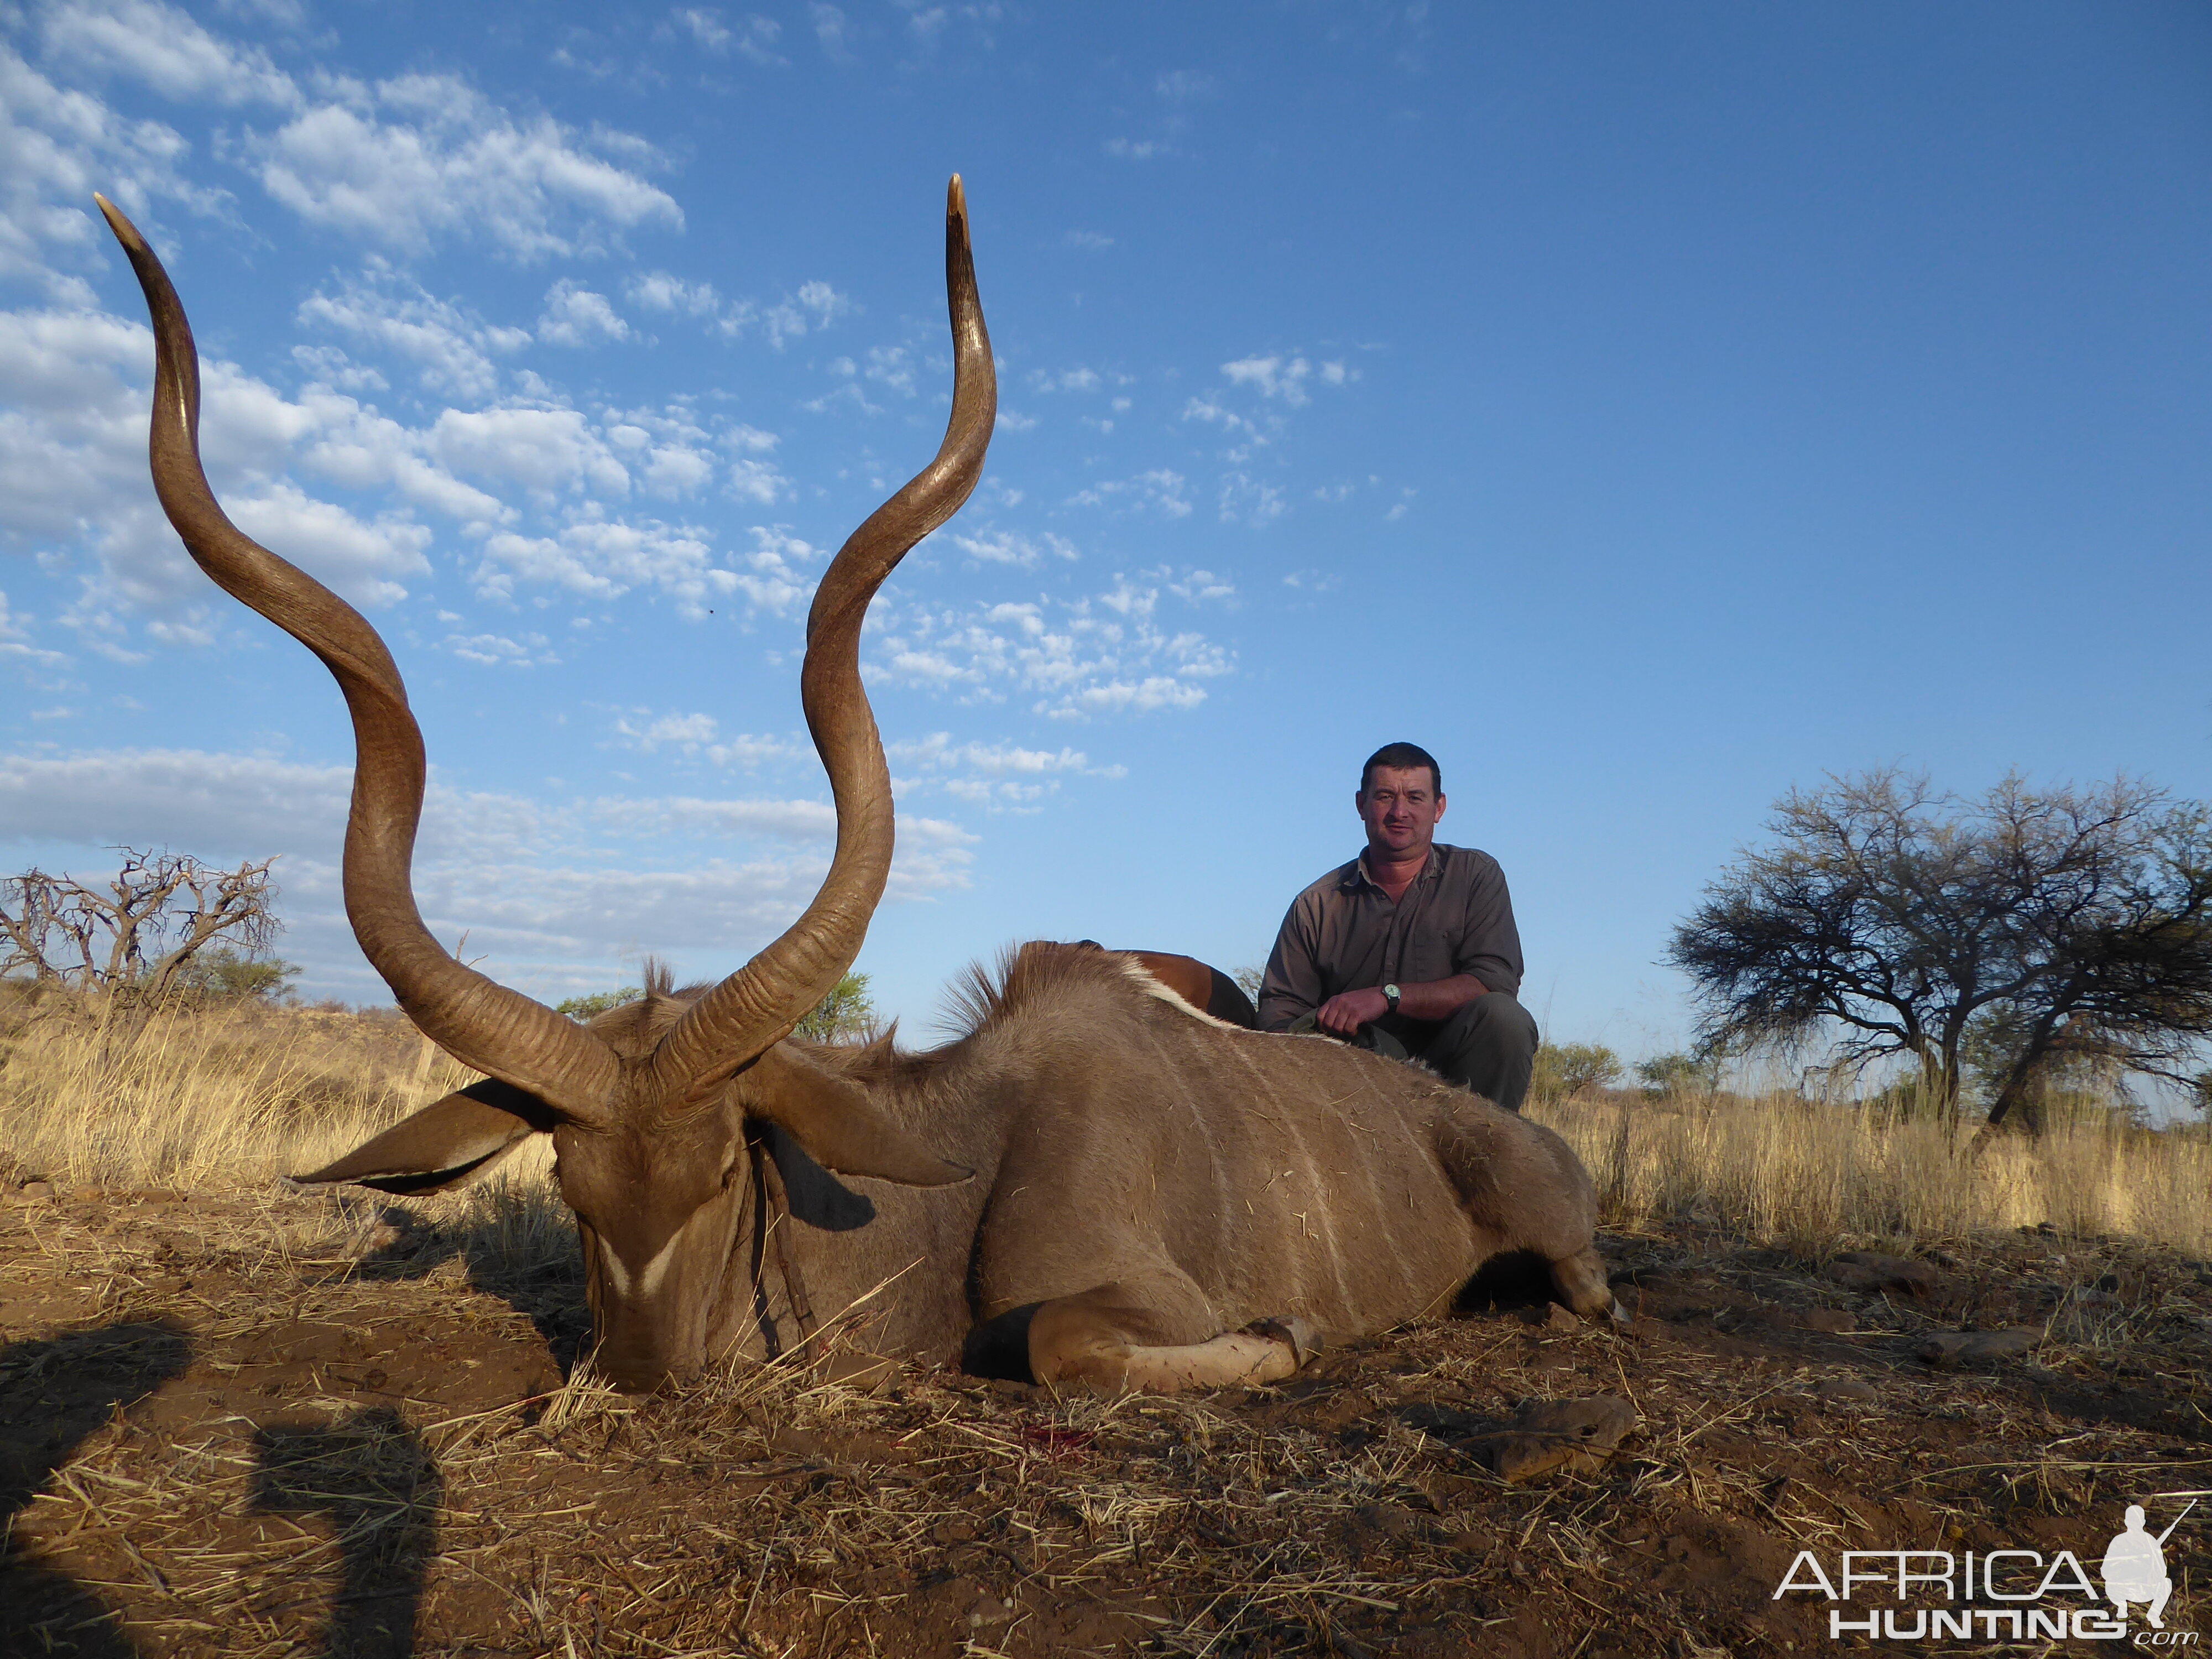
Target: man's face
1400	807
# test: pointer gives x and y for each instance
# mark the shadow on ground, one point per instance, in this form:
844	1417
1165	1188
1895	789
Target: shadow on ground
371	1475
54	1394
550	1294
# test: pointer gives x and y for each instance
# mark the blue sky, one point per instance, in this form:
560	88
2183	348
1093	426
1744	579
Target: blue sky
1647	409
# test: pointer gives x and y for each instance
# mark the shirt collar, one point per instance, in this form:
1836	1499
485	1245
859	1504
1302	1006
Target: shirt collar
1357	877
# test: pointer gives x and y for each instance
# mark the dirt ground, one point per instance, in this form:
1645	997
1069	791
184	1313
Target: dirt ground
261	1425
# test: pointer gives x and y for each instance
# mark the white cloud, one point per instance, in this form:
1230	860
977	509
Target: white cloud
830	29
217	806
748	751
822	302
752	38
330	366
498	651
1162	489
753	480
696	734
74	485
996	775
57	147
1252	500
1137	150
604	559
687	733
1103	653
546	887
1010	547
1078	379
550	450
381	310
1210	410
360	560
163	48
772	580
784	820
575	316
601	558
669	453
813	307
15	640
1090	239
938	752
892	366
1180	85
1273	377
1283	382
1198	586
421	157
660	291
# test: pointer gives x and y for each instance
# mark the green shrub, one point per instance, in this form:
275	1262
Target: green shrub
222	974
585	1009
1678	1074
1564	1069
847	1013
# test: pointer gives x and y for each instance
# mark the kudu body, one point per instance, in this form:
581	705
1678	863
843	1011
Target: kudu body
1098	1184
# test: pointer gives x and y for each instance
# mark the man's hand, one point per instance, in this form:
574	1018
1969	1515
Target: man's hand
1346	1012
1439	999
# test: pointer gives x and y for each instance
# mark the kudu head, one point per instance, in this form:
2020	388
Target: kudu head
648	1107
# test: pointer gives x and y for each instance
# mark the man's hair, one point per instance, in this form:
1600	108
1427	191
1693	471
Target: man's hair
1404	757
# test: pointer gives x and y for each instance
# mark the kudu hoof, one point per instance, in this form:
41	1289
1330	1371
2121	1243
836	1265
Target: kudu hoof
1299	1333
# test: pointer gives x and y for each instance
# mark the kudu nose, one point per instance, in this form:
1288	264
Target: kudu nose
645	1376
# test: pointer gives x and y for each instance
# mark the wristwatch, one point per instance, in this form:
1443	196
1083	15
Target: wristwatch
1390	994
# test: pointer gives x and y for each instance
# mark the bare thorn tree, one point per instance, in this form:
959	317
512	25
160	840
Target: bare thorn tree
138	932
2078	921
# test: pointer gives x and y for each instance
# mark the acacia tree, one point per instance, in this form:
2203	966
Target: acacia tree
847	1013
2076	921
139	930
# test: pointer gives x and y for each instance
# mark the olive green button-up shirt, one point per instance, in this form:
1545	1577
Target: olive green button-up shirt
1345	934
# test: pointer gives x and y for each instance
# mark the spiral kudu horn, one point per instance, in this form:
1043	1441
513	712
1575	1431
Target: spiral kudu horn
736	1021
481	1024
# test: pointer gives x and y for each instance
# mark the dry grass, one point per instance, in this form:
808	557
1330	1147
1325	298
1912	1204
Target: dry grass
225	1094
227	1098
1814	1178
280	1413
766	1513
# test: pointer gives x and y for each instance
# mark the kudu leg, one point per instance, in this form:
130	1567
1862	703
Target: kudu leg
1118	1339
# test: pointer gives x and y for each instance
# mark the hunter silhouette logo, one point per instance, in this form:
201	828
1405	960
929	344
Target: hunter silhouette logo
2001	1595
2134	1567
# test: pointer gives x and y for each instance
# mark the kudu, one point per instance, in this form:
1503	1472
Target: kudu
1098	1184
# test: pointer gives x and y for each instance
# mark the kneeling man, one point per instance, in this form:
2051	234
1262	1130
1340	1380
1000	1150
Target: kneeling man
1410	949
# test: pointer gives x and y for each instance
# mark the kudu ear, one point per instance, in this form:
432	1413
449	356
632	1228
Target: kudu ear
449	1143
836	1122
